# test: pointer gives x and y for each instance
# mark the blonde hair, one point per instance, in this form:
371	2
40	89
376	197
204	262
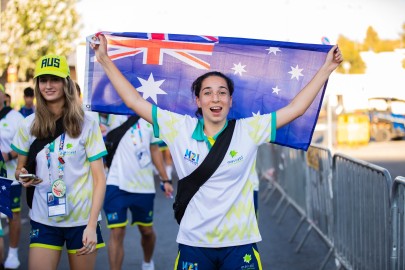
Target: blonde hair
44	124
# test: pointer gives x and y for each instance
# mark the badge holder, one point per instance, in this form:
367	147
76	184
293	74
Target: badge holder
143	157
57	199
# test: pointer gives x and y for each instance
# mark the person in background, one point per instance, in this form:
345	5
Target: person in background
7	100
8	128
168	160
3	173
28	107
131	186
70	180
108	122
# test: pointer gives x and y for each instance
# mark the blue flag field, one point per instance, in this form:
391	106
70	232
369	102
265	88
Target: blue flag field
267	75
5	198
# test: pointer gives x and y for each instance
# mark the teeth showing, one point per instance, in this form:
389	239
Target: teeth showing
215	108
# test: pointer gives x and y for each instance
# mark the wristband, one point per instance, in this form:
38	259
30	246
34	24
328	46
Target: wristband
166	181
10	157
163	182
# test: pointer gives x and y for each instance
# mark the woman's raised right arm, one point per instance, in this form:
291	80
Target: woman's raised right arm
124	88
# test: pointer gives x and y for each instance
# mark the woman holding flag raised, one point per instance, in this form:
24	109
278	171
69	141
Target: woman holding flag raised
219	228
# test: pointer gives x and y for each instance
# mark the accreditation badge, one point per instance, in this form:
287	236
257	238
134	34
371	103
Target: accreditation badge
58	188
143	157
56	205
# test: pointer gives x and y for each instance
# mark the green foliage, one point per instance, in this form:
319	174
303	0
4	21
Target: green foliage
372	41
351	51
33	28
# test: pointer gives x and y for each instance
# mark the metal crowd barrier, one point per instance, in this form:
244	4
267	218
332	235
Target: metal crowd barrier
346	201
361	207
296	171
319	195
398	224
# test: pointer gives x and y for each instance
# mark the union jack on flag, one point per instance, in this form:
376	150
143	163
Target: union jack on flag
267	75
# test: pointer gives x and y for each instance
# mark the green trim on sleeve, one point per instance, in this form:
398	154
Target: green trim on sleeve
20	152
156	131
273	126
102	154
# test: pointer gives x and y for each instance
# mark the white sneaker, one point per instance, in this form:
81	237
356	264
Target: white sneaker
11	262
148	266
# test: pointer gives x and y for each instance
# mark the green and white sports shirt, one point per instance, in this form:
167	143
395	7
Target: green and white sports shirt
221	213
77	154
8	128
126	171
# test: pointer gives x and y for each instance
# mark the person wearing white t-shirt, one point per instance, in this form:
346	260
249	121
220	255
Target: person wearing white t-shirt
3	173
219	229
70	181
131	186
8	128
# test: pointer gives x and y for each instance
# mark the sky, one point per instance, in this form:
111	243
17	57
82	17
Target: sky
303	21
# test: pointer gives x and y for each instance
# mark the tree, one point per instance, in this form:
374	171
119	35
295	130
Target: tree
372	41
403	42
402	36
33	28
351	52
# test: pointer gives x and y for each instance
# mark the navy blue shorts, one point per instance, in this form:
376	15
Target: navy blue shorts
50	237
227	258
117	202
15	195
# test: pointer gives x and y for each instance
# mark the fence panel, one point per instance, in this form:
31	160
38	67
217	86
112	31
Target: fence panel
398	224
361	204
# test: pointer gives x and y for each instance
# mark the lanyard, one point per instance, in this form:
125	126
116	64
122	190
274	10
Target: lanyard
61	162
133	128
105	120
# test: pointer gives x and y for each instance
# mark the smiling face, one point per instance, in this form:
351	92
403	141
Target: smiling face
51	88
214	99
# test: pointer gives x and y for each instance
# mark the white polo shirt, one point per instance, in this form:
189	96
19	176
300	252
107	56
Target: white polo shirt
77	154
8	129
221	213
126	170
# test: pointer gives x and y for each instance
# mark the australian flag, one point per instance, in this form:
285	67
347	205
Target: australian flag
267	75
5	200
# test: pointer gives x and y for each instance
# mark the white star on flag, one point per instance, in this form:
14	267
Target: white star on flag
239	68
273	50
3	187
296	72
276	89
151	88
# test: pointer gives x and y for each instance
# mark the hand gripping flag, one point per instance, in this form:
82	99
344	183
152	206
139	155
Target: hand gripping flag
267	75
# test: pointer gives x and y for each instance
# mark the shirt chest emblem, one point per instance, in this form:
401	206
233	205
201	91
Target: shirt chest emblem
235	157
191	156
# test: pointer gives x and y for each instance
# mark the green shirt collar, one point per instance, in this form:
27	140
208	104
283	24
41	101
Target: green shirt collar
198	133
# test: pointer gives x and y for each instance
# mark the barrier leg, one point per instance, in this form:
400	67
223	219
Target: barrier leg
326	259
297	228
283	212
278	204
303	240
